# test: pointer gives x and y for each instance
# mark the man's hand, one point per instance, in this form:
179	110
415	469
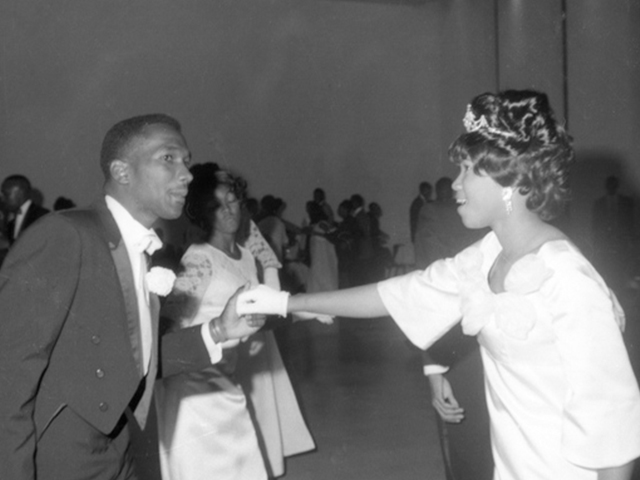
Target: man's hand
443	400
230	325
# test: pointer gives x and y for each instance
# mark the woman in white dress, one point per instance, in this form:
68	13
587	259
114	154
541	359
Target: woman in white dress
205	427
323	271
563	400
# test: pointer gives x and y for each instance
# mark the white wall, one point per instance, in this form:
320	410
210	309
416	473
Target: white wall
352	96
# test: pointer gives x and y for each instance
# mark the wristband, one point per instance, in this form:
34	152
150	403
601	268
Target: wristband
218	332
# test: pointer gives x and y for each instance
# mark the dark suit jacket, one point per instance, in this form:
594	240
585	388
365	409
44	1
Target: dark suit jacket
613	223
363	240
69	333
414	212
34	212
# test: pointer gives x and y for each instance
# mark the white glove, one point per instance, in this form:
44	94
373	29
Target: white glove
263	299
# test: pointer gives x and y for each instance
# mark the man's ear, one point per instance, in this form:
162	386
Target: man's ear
119	170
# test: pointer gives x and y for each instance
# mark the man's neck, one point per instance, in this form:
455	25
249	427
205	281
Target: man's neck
125	200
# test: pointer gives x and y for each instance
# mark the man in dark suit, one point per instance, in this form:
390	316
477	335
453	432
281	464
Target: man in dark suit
79	349
421	200
613	235
361	269
16	191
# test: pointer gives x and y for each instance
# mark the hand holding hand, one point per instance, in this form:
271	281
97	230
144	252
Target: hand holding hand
443	400
231	325
263	299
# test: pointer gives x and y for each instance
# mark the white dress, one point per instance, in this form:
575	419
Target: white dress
204	426
323	273
562	397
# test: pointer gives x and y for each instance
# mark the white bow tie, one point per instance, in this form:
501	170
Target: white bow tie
149	243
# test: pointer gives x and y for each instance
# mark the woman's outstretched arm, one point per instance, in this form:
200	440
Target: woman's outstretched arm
358	302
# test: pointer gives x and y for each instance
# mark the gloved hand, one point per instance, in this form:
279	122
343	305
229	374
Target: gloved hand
263	299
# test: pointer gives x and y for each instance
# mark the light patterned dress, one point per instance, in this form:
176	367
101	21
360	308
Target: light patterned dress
561	394
204	426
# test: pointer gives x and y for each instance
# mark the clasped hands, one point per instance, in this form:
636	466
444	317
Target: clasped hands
267	301
245	312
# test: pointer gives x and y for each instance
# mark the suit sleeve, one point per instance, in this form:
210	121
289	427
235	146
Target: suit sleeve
37	284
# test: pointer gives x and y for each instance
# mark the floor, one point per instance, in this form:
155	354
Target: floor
366	402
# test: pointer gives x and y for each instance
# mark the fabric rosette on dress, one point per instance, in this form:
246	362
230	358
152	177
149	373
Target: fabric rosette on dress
513	312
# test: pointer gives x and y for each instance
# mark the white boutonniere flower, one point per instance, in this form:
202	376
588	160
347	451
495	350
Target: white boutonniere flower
160	281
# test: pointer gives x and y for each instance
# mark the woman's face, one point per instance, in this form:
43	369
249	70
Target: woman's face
227	215
479	198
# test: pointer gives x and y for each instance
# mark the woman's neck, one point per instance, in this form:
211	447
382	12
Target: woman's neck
524	234
224	242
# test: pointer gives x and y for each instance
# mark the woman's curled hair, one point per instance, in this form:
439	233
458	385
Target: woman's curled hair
514	138
201	202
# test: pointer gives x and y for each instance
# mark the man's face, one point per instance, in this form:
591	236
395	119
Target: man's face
12	196
158	174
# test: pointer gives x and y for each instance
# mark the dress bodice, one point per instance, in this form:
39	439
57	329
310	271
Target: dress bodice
554	360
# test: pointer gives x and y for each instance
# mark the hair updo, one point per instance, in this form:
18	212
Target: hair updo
514	138
201	201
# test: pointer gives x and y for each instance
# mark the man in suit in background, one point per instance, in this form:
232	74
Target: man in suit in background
16	191
79	345
421	200
361	269
614	235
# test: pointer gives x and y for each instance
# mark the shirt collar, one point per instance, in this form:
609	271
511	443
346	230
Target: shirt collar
134	234
22	211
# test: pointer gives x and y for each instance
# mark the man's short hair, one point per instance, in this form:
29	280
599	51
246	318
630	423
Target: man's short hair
19	180
357	200
119	136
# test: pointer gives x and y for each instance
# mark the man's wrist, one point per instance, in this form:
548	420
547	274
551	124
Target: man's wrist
218	332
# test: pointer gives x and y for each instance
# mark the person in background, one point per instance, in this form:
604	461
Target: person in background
323	260
4	238
63	203
613	235
421	200
320	199
345	241
453	364
440	233
361	268
382	256
562	397
272	226
21	210
239	418
453	367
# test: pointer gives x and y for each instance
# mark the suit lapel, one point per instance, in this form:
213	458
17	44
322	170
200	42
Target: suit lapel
155	316
125	275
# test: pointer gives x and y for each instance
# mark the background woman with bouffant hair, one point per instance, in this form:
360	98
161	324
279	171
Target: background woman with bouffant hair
563	400
239	418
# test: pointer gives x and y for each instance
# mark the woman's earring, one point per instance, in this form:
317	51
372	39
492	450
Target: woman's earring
507	194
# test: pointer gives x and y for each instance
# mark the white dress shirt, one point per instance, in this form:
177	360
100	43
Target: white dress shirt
20	214
139	240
